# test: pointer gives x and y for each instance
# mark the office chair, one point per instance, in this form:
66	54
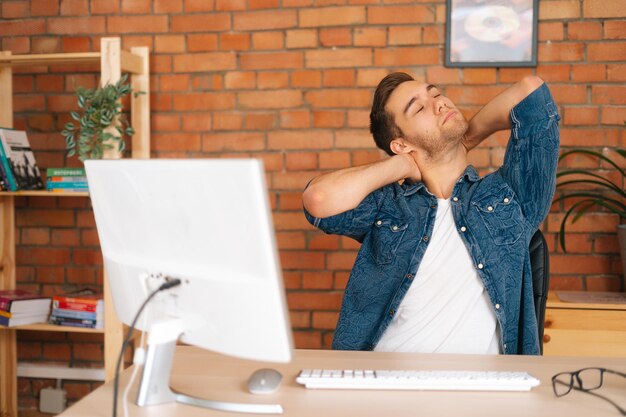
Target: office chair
540	269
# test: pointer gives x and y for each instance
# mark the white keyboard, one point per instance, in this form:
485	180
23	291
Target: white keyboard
417	380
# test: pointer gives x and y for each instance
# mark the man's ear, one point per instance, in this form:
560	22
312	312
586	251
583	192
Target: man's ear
400	146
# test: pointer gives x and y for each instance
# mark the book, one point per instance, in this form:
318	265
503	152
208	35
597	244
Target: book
83	296
66	172
75	314
20	320
21	160
20	301
66	179
94	308
90	324
8	179
64	185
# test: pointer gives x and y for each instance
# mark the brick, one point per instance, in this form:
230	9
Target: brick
227	121
561	51
301	38
136	24
75	25
550	31
363	157
588	72
45	218
17	45
353	138
212	22
295	119
331	16
260	121
364	36
340	260
566	94
581	115
566	283
608	94
168	6
584	30
44	8
228	5
407	56
238	80
616	72
235	41
325	320
609	51
554	72
15	10
239	141
273	80
176	82
263	41
89	352
606	244
615	29
603	283
338	78
348	98
203	101
370	77
276	99
263	4
134	6
578	264
293	200
405	35
301	161
395	15
314	301
300	319
589	223
76	390
307	340
65	237
203	62
600	8
566	9
169	43
264	20
176	142
329	119
201	42
266	60
334	160
35	236
479	75
317	280
472	95
613	115
196	122
335	37
340	57
300	140
290	240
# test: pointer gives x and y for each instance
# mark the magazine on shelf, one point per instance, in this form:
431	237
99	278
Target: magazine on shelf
21	160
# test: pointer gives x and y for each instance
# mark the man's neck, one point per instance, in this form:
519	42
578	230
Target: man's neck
440	173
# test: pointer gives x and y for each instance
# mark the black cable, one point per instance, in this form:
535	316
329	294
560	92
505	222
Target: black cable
169	284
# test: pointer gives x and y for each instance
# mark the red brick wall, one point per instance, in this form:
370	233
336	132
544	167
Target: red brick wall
291	81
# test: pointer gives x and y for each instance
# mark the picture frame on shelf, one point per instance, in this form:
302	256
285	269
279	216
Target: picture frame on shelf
491	33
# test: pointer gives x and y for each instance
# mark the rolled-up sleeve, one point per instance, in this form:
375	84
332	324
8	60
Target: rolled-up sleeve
355	223
531	157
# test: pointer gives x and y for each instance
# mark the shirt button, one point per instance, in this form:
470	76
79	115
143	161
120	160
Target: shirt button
489	208
434	206
392	312
379	222
463	228
455	199
409	276
506	200
497	306
505	346
394	228
425	238
480	266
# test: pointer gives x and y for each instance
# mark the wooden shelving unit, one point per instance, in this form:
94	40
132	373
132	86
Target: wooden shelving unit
113	62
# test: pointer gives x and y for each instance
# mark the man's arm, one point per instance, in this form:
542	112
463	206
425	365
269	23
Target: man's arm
343	190
494	116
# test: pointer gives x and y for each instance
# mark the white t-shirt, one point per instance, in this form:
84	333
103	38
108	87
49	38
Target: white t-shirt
446	309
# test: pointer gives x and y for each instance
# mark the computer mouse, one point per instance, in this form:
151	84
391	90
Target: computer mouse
264	381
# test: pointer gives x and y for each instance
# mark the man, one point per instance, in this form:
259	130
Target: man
444	263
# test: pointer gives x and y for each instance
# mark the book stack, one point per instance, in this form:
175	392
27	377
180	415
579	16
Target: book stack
19	307
84	308
66	179
18	168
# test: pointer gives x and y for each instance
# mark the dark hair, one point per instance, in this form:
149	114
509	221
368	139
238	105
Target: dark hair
382	124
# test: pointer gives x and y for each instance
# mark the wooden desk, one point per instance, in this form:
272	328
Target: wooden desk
212	376
583	329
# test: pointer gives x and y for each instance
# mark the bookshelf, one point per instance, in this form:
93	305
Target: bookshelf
113	62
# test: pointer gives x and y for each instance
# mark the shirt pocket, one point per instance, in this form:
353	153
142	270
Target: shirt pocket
387	234
502	216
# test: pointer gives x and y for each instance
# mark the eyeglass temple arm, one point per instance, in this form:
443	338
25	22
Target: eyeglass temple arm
620	409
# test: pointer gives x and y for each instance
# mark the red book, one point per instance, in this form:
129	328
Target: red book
20	301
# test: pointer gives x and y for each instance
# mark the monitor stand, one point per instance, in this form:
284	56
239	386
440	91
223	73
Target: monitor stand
154	386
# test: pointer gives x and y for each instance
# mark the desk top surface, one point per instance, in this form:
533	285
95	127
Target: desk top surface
212	376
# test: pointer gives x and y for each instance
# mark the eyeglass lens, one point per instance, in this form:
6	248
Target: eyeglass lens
590	378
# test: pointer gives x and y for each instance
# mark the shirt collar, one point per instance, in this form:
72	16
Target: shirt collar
469	174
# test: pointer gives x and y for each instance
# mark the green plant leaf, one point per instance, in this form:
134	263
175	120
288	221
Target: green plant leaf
610	186
620	210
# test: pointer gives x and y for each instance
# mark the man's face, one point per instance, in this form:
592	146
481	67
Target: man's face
427	118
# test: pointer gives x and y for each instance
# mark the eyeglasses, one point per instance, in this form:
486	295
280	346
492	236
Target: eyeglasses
585	380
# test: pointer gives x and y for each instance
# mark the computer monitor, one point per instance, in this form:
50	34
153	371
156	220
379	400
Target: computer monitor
208	223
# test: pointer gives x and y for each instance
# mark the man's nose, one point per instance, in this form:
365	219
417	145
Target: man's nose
440	105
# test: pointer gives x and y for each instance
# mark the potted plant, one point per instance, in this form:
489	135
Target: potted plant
602	192
101	124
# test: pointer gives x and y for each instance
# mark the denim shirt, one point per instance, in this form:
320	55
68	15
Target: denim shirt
495	215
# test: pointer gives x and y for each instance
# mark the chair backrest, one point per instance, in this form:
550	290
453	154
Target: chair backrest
540	267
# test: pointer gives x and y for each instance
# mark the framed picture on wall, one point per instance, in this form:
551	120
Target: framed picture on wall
491	33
